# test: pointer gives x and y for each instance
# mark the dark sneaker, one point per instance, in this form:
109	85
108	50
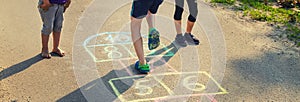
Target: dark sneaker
190	39
153	39
144	69
180	40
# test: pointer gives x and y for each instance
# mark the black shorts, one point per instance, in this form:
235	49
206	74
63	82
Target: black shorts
140	8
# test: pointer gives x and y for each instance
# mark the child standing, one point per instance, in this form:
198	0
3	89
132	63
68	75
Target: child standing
141	9
187	37
51	12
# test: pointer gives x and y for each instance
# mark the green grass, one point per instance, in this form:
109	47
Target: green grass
224	1
257	10
293	34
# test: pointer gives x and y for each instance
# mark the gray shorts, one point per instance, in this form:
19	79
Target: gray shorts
52	18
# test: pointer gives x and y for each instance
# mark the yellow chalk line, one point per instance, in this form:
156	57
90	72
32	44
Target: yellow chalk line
165	86
172	73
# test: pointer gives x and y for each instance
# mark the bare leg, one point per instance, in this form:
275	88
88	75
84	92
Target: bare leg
188	36
150	19
45	50
56	41
189	26
137	39
178	26
179	39
193	8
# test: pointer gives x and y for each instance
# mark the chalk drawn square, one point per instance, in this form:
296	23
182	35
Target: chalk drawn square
165	86
137	87
108	46
190	84
112	52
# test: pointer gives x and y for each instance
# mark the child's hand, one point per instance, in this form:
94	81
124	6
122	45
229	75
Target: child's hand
67	5
45	6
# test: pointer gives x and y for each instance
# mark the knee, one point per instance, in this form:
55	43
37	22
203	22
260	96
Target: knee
193	15
57	28
178	12
47	29
192	18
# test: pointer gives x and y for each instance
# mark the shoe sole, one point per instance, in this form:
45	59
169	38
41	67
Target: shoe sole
180	44
153	40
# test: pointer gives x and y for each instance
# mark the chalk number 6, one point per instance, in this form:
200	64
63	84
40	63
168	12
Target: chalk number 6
193	86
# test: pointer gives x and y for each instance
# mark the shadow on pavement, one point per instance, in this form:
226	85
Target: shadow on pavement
77	96
14	69
270	68
267	77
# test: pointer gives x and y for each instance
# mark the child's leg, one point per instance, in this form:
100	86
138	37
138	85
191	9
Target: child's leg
189	27
45	39
47	18
150	20
193	15
56	40
190	23
138	12
178	26
153	10
179	39
137	39
178	15
153	36
57	30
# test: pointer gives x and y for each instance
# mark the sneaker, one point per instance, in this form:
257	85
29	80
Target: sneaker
144	69
153	39
191	39
180	40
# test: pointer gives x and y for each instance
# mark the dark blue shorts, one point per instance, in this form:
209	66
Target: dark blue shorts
140	8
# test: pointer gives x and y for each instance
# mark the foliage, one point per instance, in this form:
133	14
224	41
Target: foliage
257	10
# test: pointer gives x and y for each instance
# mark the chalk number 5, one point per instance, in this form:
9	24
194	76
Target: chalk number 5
144	90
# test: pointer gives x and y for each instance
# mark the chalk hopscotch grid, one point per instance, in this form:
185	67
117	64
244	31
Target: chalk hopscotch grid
86	46
120	96
208	95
